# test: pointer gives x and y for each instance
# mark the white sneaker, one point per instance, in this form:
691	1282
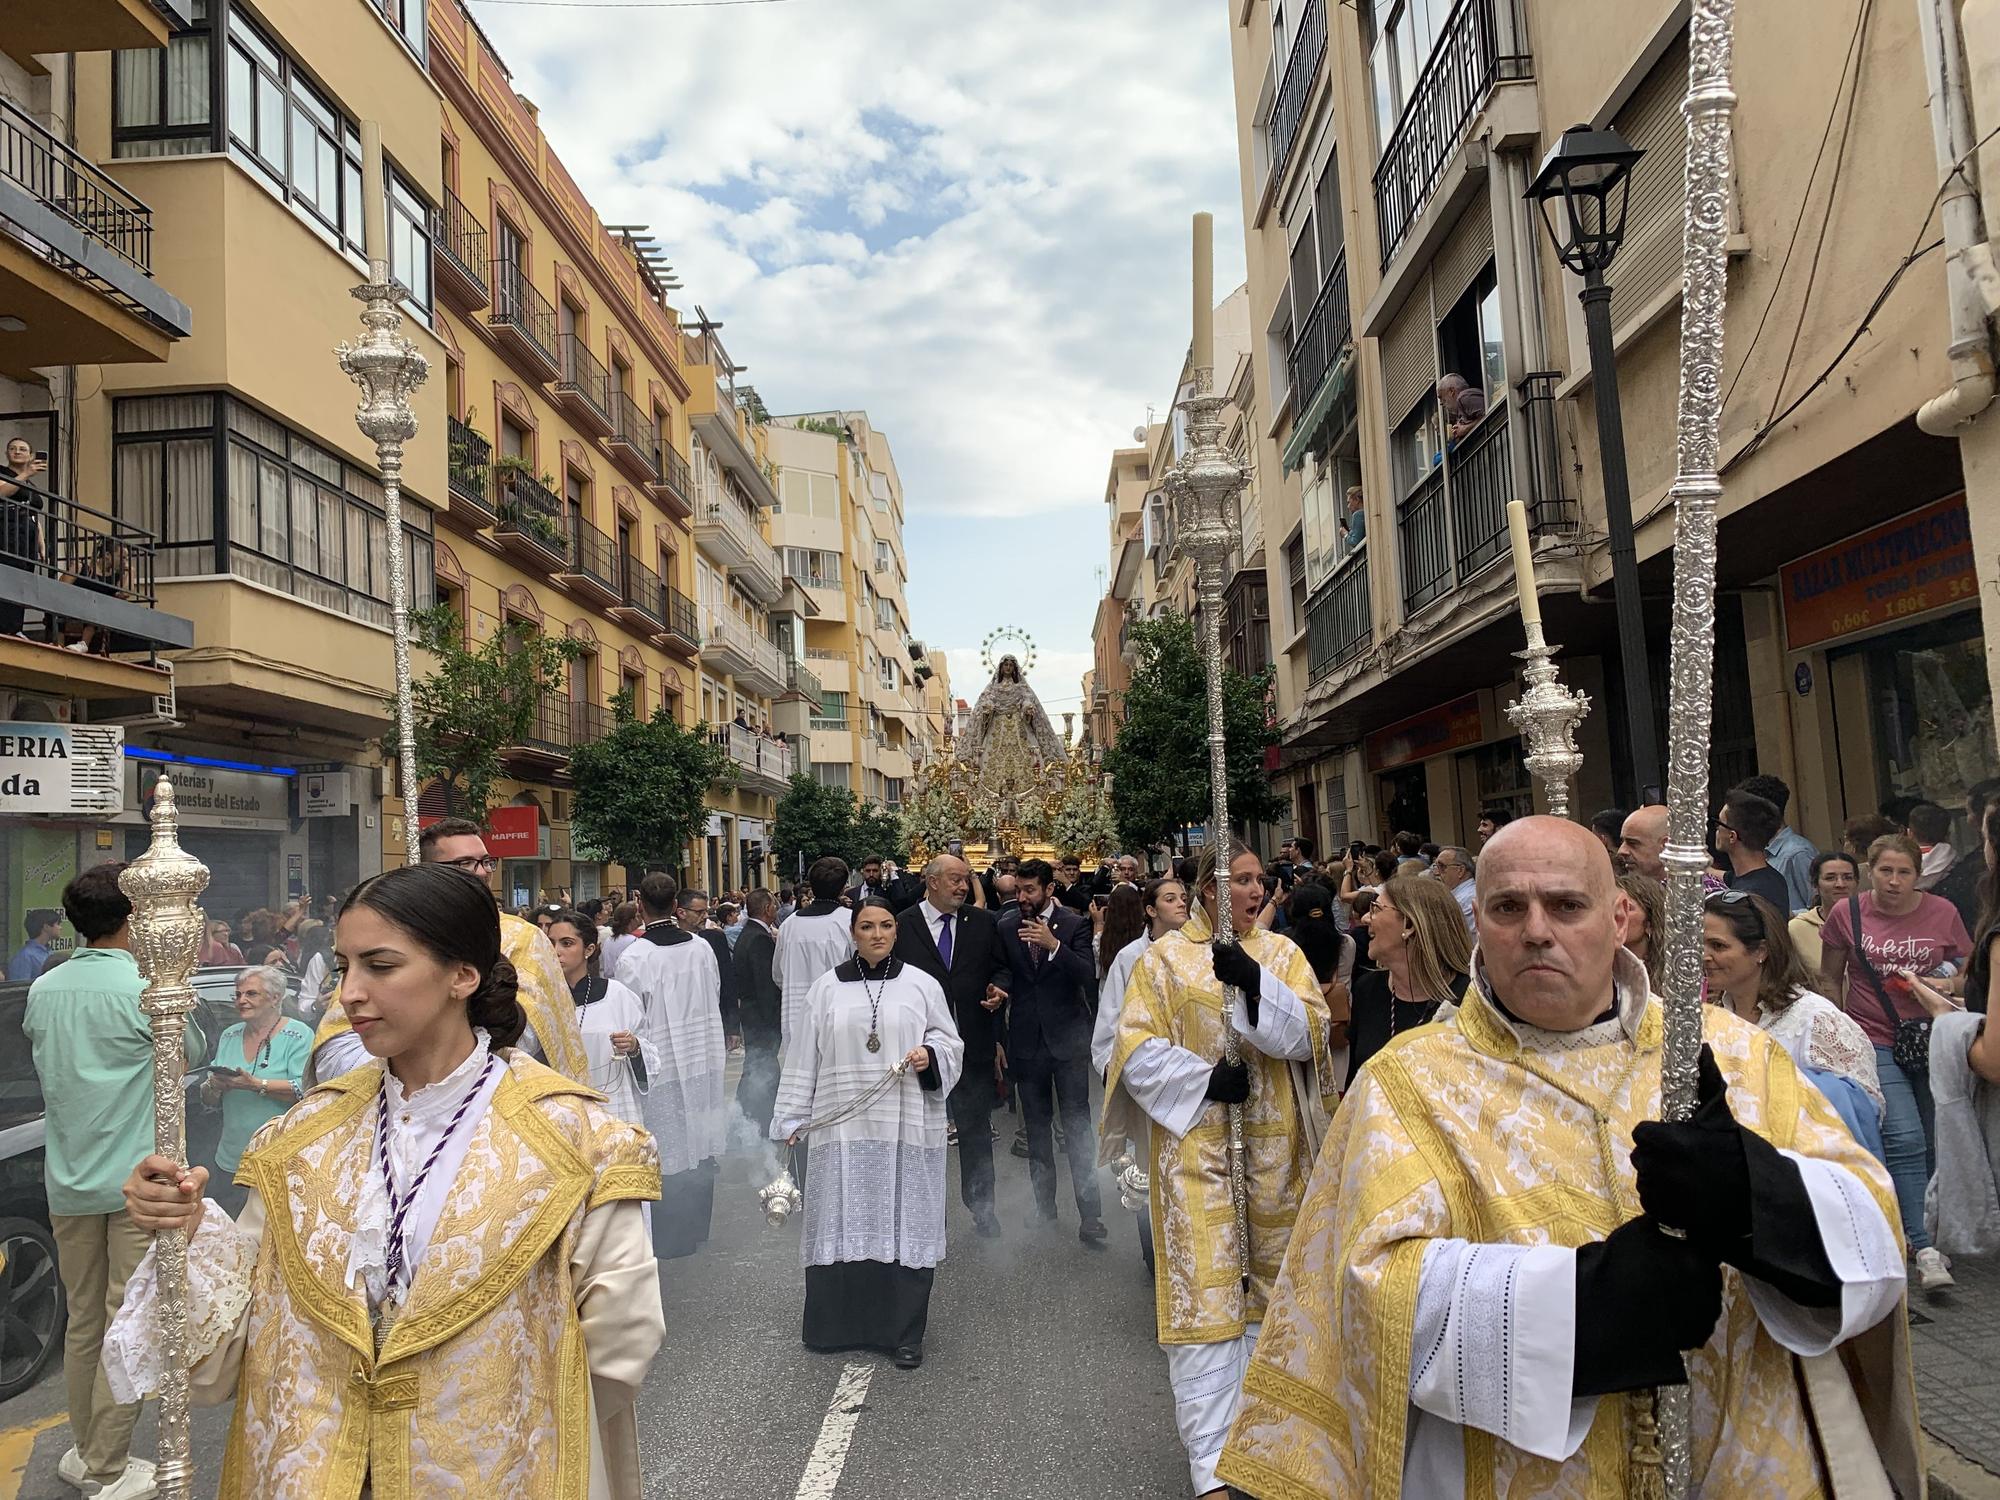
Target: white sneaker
70	1470
136	1483
1933	1269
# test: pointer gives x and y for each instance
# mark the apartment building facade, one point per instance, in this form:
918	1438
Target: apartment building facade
839	528
80	290
1385	153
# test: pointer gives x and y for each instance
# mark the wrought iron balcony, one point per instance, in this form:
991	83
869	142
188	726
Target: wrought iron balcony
676	485
523	321
66	212
547	739
642	603
462	257
1328	329
531	521
1339	626
82	566
585	387
801	681
634	441
592	570
1454	84
1288	114
471	463
683	632
588	723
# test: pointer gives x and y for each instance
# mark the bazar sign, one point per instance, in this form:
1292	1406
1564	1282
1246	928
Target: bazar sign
1915	563
35	768
1449	726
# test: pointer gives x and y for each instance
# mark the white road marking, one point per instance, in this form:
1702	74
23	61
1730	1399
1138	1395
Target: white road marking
829	1455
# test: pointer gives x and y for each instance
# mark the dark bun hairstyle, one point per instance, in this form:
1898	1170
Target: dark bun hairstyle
451	914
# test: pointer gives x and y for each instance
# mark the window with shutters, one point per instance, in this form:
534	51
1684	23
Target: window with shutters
1649	261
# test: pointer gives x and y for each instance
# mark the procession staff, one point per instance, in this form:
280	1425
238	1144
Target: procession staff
678	983
874	1225
1167	1091
1479	1276
551	1034
369	1311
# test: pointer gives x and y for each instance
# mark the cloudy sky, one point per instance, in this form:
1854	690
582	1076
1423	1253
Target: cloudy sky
970	219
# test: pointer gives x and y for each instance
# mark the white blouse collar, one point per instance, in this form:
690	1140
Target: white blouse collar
436	1101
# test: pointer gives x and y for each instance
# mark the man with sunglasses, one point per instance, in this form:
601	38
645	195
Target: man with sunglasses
1744	829
552	1035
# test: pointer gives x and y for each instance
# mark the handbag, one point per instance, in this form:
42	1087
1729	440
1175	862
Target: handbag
1911	1047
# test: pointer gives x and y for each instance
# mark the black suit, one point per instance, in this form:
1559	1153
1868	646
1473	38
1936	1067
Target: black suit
760	1007
1048	1052
977	960
732	1025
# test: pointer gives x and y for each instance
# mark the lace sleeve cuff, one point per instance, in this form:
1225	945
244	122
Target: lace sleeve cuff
220	1259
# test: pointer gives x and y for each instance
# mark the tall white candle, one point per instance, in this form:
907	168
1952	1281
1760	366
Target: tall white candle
374	202
1204	291
1524	563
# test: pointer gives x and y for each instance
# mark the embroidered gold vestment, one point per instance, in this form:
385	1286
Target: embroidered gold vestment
1174	995
1460	1132
542	992
479	1385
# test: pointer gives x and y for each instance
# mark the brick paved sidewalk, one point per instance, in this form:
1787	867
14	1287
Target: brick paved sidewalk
1955	1339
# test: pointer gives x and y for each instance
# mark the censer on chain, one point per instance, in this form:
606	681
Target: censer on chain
782	1197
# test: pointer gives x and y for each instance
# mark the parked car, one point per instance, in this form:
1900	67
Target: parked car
32	1308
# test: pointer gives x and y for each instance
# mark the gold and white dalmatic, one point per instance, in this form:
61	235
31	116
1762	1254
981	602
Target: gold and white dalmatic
532	1312
1168	1038
1422	1337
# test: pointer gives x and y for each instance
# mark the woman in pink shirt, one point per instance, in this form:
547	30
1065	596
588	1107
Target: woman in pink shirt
1903	931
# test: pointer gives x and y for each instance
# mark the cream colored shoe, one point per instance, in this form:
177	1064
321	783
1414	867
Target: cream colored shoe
136	1483
70	1470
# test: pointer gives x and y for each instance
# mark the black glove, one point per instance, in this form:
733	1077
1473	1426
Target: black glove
1235	967
1229	1082
1693	1176
1737	1197
1641	1298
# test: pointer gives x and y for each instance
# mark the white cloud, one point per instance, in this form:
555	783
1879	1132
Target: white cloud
971	221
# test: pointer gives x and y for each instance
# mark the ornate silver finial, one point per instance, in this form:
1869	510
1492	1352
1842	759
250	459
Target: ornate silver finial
163	885
780	1199
1547	715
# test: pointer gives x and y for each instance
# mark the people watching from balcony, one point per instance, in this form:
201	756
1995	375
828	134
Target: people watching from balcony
1464	406
21	505
104	566
1354	529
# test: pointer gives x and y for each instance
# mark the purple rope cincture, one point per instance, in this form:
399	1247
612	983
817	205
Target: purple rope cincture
400	1204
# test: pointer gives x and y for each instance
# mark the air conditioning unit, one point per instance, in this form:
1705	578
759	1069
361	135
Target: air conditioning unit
97	769
156	712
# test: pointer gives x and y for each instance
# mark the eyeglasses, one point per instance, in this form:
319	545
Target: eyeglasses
475	864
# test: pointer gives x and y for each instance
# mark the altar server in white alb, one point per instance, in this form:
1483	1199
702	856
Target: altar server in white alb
623	1057
874	1214
810	942
678	983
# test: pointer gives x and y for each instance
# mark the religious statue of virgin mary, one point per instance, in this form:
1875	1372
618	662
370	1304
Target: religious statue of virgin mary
1008	740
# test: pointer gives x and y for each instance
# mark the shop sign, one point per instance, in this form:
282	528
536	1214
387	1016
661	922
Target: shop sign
515	833
749	828
35	768
714	829
325	794
1449	726
219	798
1918	562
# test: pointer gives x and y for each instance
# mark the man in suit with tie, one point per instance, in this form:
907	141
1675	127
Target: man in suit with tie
1048	1040
760	1008
958	945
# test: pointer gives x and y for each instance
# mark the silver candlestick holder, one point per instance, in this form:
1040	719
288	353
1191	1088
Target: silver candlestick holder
1547	715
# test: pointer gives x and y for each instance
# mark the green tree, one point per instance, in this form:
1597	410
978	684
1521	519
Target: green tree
475	701
879	831
812	820
642	790
1159	764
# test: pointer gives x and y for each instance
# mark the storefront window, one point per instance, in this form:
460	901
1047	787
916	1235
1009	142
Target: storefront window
1499	778
1933	712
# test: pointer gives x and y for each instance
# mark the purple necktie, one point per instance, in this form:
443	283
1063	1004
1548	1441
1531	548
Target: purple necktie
944	938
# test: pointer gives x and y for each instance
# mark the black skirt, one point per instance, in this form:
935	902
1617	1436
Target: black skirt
681	1217
867	1304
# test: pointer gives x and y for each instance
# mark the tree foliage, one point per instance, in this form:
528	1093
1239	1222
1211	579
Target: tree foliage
815	820
475	701
641	791
1159	764
879	831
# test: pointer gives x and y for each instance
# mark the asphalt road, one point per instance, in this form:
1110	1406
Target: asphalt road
1041	1378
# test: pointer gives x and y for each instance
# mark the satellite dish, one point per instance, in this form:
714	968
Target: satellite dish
1139	433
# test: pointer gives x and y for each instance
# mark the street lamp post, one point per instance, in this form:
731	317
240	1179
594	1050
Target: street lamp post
1589	174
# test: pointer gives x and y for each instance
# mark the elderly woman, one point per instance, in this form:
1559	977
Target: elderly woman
258	1073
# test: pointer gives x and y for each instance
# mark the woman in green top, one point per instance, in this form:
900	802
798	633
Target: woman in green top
259	1072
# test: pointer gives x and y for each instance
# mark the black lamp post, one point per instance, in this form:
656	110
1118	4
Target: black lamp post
1589	173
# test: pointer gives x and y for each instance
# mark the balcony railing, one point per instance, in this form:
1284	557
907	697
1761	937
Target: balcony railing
528	511
524	315
588	723
677	476
1339	626
593	560
462	256
800	679
1288	114
683	618
471	465
55	537
1454	523
586	382
1328	329
1454	83
634	436
548	732
765	757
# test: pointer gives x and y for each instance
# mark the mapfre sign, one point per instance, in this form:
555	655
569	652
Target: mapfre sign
61	770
